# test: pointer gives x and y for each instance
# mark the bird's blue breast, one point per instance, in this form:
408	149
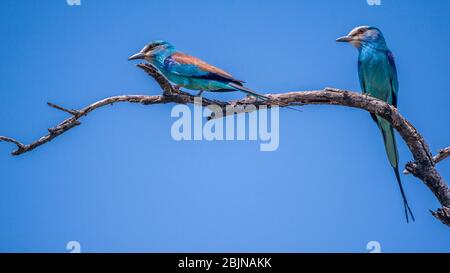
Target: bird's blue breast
374	72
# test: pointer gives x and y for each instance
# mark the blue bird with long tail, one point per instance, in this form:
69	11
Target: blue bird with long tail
190	72
378	78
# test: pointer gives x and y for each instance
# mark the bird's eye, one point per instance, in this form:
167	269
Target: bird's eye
150	47
153	46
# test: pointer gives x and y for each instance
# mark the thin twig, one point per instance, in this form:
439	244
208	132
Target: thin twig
443	154
70	111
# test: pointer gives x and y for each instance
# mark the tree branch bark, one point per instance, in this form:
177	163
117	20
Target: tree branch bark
423	166
443	154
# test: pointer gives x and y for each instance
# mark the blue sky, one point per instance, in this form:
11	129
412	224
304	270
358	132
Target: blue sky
120	182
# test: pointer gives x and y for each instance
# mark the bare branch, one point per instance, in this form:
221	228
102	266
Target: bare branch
422	167
72	122
20	147
70	111
443	154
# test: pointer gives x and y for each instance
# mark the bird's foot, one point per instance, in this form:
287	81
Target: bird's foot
367	95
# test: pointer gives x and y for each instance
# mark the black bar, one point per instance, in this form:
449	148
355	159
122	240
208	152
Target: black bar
217	262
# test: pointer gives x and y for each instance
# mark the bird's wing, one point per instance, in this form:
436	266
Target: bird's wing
188	66
394	80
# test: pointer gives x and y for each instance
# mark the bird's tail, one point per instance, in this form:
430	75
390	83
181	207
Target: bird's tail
405	202
391	150
259	96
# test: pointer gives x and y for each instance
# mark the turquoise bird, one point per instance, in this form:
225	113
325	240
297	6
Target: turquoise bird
378	78
190	72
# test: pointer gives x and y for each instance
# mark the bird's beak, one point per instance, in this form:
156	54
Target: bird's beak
137	56
344	39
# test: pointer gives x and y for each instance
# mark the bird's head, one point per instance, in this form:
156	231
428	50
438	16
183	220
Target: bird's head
155	48
364	36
